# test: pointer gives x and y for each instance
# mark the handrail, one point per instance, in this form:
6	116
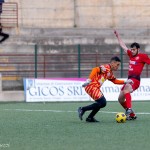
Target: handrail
19	66
9	15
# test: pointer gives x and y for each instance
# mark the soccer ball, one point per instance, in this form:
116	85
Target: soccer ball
121	117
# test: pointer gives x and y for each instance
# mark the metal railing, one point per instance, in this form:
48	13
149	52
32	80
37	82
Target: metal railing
56	62
61	64
9	15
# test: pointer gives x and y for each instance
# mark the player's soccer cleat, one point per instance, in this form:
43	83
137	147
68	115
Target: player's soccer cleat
128	111
91	120
133	116
130	114
80	113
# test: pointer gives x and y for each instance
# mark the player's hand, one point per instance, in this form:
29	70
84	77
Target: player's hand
129	81
88	81
116	33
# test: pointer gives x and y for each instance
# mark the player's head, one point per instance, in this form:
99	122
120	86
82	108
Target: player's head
115	63
135	47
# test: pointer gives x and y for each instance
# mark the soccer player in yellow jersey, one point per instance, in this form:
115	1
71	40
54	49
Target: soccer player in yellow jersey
92	86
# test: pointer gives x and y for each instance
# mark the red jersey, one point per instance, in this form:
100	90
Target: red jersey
137	63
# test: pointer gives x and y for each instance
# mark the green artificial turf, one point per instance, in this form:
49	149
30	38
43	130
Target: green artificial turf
56	126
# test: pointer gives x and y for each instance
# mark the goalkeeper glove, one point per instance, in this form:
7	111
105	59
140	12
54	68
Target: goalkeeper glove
88	81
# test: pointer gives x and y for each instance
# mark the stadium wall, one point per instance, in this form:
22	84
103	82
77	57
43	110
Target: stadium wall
84	14
10	96
59	22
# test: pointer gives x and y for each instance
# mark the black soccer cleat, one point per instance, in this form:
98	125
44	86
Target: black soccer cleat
134	117
131	118
80	113
91	120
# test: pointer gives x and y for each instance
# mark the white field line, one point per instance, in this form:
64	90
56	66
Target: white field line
67	111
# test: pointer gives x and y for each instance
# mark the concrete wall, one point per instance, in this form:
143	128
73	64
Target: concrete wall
46	13
10	95
84	13
60	22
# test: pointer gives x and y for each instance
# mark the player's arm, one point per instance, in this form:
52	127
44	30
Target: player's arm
146	59
122	44
94	72
117	81
91	76
101	69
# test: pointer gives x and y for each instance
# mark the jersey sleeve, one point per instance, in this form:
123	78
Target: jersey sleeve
129	53
146	59
94	72
117	81
113	79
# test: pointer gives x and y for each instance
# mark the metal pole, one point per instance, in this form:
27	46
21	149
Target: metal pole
75	5
121	56
79	65
44	65
35	60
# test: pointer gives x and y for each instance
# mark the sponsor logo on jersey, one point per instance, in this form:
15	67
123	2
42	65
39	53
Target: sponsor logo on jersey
133	62
101	80
136	58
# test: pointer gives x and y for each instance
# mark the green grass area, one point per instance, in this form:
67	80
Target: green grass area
35	126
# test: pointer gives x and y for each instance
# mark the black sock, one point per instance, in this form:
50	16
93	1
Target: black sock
93	113
100	103
90	107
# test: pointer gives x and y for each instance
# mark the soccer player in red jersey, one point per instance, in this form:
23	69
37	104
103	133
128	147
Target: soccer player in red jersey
136	64
92	86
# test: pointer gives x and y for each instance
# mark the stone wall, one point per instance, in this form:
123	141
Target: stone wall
84	13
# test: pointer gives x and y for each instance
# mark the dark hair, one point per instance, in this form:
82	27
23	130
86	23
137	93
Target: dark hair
137	45
115	58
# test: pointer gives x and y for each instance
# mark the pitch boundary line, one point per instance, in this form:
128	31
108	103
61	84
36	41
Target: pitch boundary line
67	111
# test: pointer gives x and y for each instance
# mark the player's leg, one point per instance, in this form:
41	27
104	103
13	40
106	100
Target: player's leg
95	94
100	103
4	36
1	8
121	100
82	110
127	90
130	112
